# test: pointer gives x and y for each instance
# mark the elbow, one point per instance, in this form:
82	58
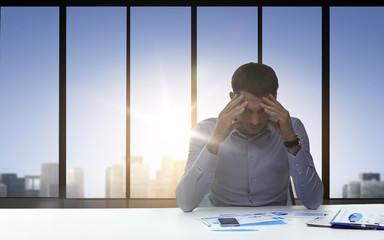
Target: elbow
313	205
184	206
316	198
182	201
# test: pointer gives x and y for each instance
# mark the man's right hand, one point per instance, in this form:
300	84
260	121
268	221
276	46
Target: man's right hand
226	122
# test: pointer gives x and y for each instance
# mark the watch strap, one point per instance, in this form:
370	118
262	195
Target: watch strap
295	142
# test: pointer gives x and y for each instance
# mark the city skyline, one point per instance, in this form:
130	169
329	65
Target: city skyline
160	94
163	185
368	185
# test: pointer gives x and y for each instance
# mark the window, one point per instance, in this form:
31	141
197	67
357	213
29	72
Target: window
159	81
29	96
226	39
292	47
357	102
160	99
96	97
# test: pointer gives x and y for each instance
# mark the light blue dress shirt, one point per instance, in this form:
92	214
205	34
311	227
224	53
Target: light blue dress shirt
248	171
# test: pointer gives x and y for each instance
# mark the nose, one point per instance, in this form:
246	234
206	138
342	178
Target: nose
255	118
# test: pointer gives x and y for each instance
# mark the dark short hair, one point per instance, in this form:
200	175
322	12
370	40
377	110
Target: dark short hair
256	78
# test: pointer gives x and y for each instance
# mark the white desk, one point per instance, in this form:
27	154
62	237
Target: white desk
163	223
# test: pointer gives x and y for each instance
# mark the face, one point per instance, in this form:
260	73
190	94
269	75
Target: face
253	120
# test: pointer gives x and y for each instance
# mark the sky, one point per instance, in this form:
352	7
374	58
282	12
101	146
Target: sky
96	92
160	82
28	89
357	102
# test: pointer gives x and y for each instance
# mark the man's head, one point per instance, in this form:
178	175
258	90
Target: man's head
254	81
255	78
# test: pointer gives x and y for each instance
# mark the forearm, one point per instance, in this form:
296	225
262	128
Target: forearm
195	183
308	185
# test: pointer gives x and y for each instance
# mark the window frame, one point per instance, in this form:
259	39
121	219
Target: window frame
128	202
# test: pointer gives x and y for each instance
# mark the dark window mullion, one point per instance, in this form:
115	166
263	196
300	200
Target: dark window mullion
62	101
128	105
260	34
193	66
325	99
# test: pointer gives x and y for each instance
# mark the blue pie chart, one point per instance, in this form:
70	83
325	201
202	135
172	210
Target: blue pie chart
355	217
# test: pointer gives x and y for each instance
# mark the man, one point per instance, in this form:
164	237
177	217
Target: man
246	156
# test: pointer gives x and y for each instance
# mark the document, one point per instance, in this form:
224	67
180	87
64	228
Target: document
260	220
358	219
322	221
248	221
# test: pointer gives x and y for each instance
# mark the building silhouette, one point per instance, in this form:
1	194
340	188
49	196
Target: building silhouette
165	183
369	177
115	180
140	181
32	186
372	189
3	190
178	172
368	186
163	188
49	180
75	183
141	185
15	185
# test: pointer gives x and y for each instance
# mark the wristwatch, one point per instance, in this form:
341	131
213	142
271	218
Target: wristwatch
295	142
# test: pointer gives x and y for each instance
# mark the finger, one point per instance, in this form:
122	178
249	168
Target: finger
267	107
271	100
273	107
270	110
272	113
235	110
235	101
280	116
238	110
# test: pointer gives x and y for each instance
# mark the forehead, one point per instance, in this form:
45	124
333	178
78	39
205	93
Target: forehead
253	101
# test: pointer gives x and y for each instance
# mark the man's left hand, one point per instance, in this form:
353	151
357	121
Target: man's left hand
283	125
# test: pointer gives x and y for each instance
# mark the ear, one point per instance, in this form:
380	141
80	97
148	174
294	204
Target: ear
231	95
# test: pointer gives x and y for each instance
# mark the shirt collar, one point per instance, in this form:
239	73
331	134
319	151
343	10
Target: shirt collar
267	131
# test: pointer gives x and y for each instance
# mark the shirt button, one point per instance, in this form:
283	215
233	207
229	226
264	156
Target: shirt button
251	158
302	185
297	164
252	179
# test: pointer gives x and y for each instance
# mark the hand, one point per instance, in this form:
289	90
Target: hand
284	124
226	122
